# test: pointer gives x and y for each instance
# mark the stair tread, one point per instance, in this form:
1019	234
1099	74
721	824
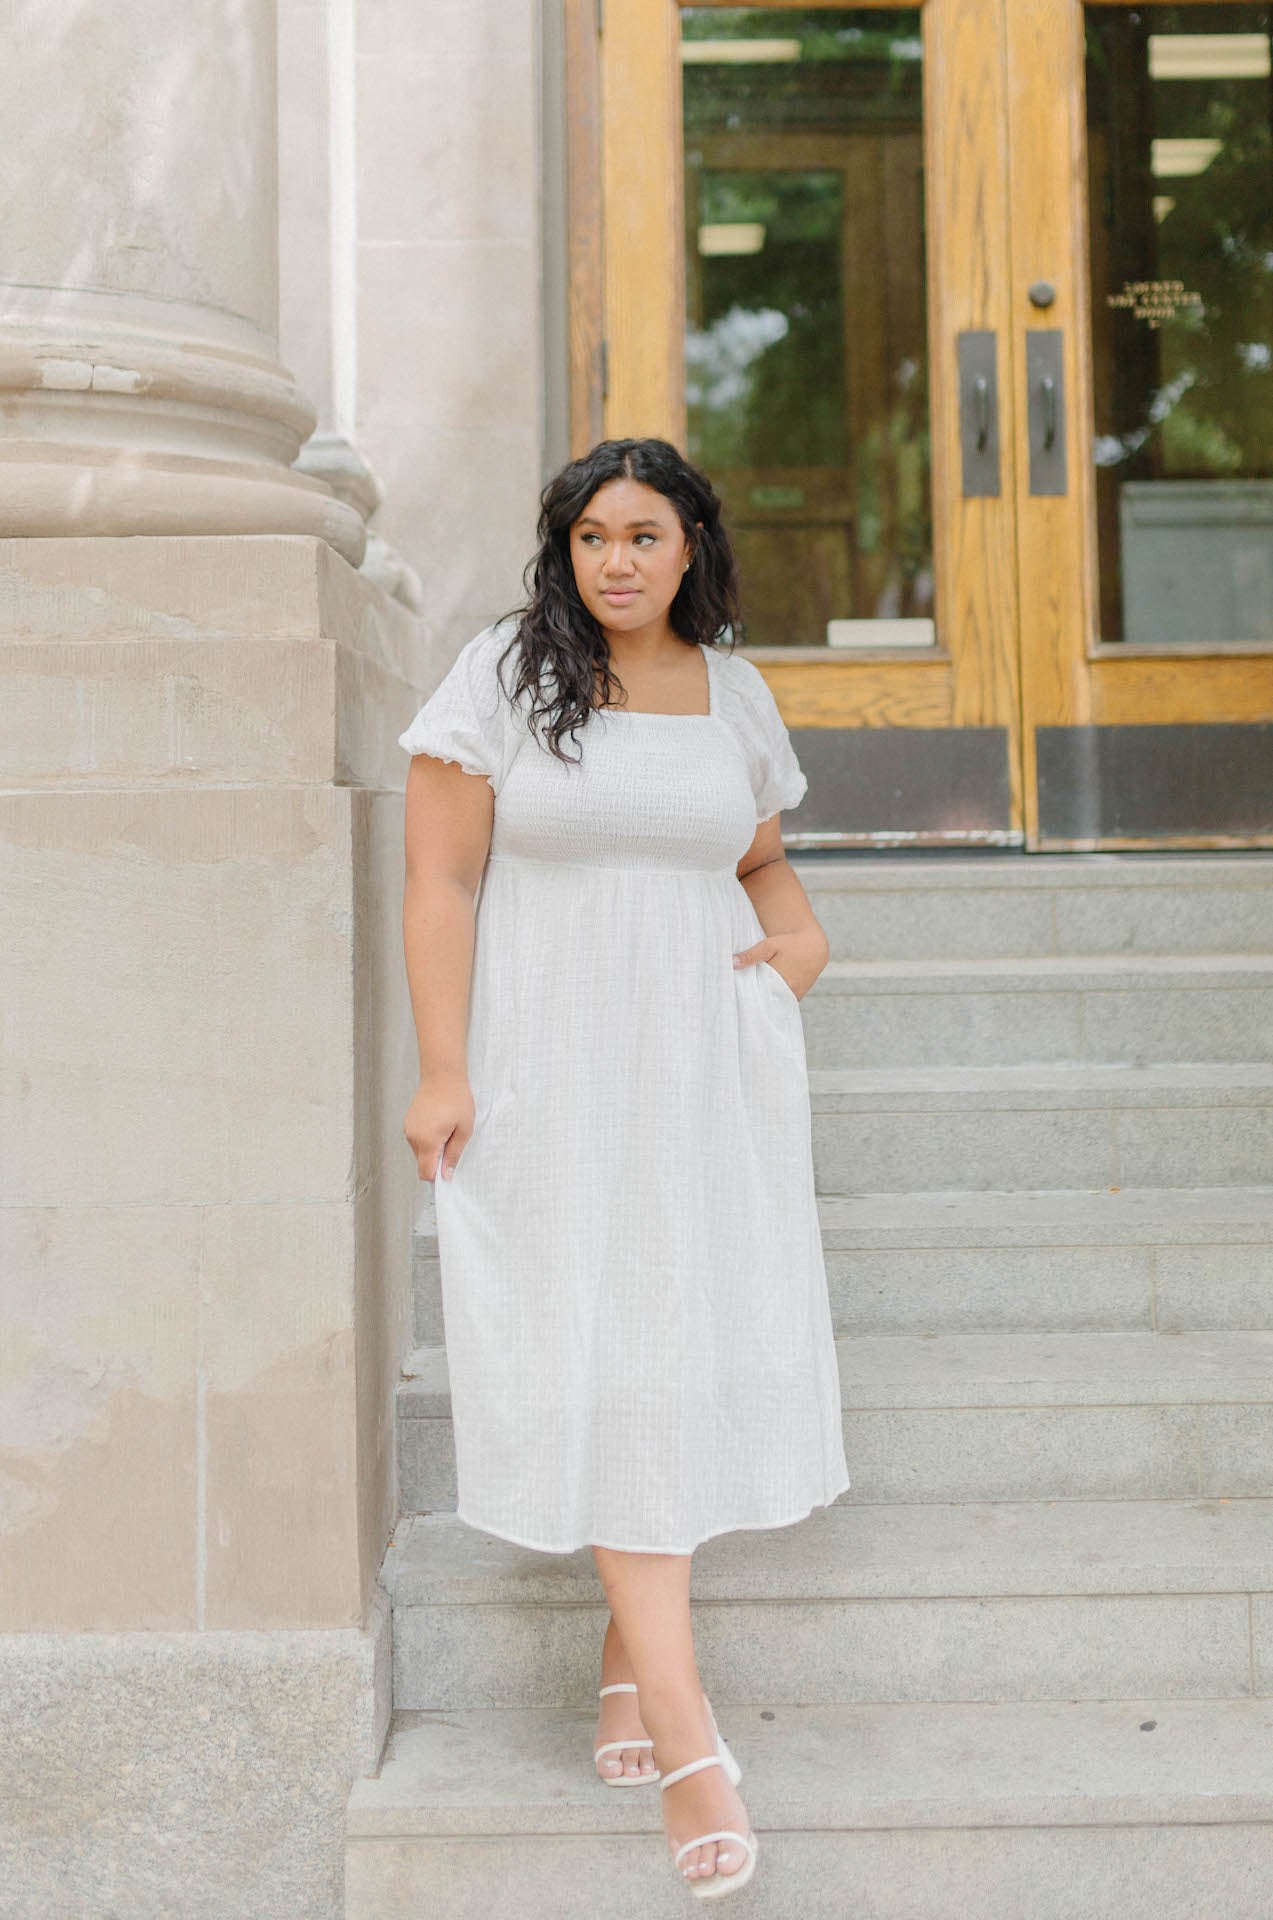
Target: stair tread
1141	1216
1042	1084
841	1552
827	1768
1052	972
995	873
1007	1370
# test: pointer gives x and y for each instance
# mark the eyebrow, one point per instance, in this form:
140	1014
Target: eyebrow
589	520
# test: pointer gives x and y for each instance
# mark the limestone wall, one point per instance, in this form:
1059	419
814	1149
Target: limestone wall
207	1053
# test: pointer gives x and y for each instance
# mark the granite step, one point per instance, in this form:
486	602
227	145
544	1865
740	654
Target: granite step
1023	1416
1117	1009
993	906
1025	1128
1140	1809
1016	1600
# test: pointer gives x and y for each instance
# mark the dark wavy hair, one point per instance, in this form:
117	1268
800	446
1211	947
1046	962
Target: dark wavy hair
562	646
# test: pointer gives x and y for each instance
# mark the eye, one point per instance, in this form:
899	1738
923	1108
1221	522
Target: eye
646	536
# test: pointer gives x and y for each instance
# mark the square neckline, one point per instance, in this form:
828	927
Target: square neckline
648	713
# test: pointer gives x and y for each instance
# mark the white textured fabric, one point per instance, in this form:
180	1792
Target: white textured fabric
637	1324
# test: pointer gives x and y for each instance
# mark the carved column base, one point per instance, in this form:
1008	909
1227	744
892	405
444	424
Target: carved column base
114	426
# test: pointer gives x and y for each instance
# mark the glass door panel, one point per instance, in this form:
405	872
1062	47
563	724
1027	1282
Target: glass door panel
1141	191
806	343
1180	221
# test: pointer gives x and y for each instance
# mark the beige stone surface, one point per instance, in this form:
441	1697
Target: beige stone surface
139	341
450	302
387	1197
159	1049
187	661
99	1449
304	195
266	586
93	713
199	1776
278	1402
205	1062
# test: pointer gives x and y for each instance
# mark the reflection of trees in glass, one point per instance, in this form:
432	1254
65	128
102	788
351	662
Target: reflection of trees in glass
763	393
1192	398
1218	239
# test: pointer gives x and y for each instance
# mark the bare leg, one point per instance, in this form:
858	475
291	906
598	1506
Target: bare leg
649	1595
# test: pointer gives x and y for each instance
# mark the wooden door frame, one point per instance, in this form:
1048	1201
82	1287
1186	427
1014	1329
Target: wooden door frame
627	335
1016	577
1070	678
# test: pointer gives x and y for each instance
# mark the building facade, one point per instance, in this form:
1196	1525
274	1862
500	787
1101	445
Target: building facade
966	306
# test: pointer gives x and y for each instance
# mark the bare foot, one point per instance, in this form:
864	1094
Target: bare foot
619	1718
703	1801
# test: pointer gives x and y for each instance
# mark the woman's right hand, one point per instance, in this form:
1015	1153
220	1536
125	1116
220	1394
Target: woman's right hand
440	1116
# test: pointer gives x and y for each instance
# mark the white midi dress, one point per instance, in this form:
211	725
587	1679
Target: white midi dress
637	1324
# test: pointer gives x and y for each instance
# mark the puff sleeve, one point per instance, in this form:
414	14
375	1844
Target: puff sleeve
468	717
777	779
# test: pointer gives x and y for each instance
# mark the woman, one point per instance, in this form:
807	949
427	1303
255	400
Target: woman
606	950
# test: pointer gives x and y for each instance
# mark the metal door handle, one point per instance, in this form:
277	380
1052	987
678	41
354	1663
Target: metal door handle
979	413
981	408
1045	399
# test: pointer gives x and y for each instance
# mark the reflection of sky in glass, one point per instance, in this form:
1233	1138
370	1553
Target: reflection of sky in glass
1110	448
720	359
764	363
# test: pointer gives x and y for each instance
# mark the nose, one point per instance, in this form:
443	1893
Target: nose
617	560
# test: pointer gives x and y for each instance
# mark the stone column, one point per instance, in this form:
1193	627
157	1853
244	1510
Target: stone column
139	374
207	1047
318	260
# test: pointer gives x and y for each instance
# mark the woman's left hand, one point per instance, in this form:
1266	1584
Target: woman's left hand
798	957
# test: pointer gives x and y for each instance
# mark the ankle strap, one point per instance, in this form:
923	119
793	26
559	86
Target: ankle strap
619	1686
691	1766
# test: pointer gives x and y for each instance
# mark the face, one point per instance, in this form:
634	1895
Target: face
629	554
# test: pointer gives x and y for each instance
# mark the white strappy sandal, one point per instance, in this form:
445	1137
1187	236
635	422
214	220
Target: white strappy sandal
727	1760
716	1884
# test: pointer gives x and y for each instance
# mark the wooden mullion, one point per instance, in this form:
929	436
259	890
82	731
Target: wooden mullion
585	224
1044	42
642	168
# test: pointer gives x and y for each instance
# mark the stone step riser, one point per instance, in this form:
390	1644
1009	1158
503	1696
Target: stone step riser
1049	1289
936	1454
1043	1289
1123	1872
827	1652
1136	1026
920	921
911	1148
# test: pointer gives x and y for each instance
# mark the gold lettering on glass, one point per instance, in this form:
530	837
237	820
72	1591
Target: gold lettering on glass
1154	300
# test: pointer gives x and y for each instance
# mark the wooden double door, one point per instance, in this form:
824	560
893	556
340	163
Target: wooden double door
967	308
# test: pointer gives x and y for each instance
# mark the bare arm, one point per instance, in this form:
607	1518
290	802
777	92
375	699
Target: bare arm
448	834
794	940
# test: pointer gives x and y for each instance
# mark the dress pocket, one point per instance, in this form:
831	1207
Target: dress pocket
783	982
